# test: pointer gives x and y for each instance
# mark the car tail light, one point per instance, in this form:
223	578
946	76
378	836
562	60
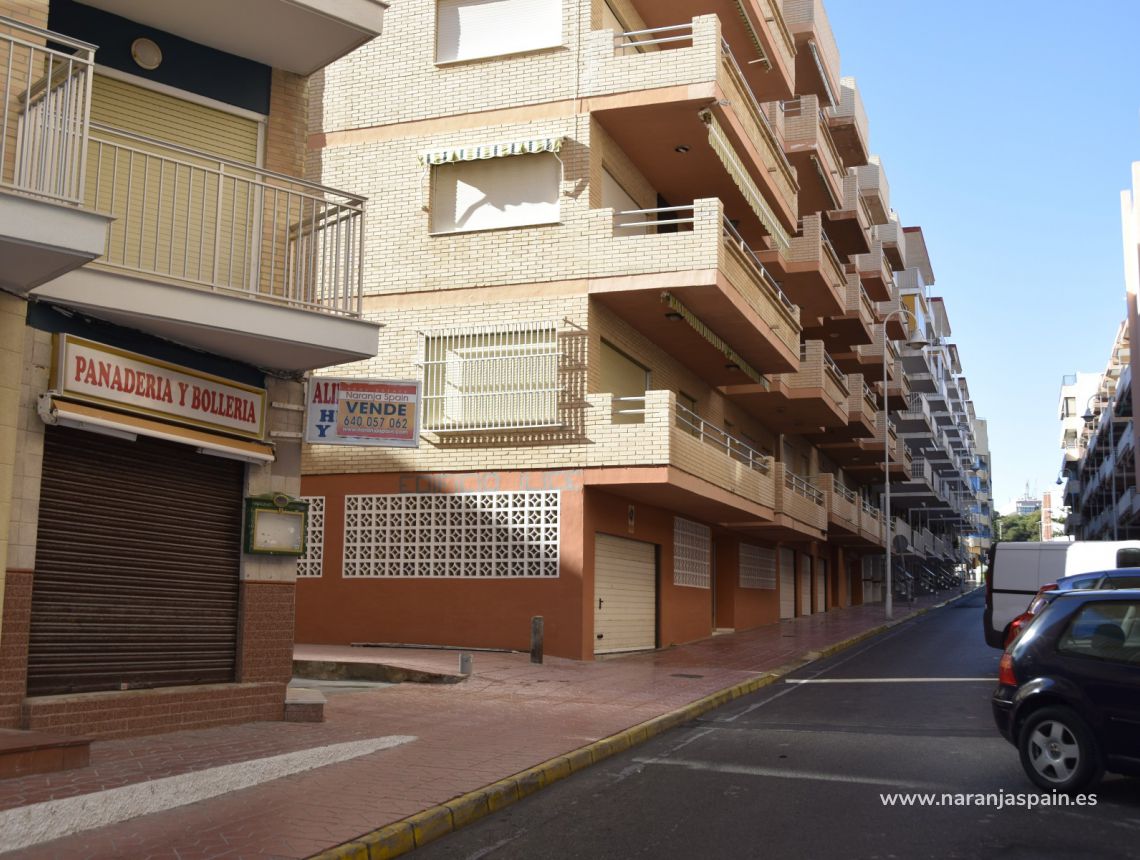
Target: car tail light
1052	586
1006	677
1016	625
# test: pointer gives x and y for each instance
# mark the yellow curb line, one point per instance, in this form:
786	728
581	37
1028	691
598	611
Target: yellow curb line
400	837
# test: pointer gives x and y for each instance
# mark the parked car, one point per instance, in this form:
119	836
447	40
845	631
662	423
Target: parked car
1068	694
1128	577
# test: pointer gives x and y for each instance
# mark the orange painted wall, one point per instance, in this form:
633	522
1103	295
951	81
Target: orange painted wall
742	608
475	613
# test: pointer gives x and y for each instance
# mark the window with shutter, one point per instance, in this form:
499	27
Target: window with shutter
495	193
471	29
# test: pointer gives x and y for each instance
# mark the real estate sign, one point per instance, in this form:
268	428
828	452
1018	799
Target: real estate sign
380	412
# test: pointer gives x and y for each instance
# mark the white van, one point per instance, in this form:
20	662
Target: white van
1018	569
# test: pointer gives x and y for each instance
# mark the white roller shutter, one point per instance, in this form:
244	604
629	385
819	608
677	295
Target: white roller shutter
493	193
805	584
469	29
625	595
787	584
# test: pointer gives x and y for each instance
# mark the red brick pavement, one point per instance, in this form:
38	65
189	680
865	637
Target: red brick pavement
508	716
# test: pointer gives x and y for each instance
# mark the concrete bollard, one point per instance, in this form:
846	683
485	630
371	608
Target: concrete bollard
536	634
464	664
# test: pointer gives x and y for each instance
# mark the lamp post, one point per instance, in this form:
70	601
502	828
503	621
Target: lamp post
917	342
1088	416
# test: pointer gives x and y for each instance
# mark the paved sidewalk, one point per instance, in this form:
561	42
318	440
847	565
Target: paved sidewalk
510	715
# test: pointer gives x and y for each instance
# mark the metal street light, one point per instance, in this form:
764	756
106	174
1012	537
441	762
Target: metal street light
917	342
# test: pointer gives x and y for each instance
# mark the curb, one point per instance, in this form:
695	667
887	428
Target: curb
400	837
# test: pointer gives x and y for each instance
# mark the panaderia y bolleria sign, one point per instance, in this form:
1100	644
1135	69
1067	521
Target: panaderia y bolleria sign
96	373
380	412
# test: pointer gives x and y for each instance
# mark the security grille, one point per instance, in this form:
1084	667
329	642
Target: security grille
491	379
312	562
452	535
692	551
757	567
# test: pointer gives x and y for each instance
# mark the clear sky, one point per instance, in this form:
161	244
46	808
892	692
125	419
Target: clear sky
1007	129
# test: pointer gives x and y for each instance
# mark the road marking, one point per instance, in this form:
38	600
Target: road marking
52	819
889	680
815	776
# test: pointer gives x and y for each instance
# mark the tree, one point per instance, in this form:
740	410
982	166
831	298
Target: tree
1019	528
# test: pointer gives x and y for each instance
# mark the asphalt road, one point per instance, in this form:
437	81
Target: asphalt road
799	770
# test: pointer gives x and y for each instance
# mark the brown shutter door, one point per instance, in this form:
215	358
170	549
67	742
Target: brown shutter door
137	565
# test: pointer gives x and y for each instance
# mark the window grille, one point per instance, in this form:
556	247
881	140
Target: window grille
452	535
757	567
312	562
491	379
692	552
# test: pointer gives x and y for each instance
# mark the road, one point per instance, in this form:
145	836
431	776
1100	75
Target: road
799	770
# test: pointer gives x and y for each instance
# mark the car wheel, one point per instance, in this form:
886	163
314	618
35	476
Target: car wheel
1058	750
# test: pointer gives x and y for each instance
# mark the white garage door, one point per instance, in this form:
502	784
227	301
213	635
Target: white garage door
805	585
787	584
821	586
625	595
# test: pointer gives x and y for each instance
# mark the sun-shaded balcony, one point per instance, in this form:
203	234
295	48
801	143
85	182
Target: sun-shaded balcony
45	228
849	223
843	508
658	451
810	400
679	105
811	273
874	270
874	190
848	123
700	292
221	255
817	55
756	30
808	143
853	326
893	238
871	524
800	508
296	35
864	457
888	312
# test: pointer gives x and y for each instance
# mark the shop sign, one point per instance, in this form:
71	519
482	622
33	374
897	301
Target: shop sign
97	373
379	412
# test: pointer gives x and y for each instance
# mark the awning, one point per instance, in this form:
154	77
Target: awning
744	182
83	417
529	146
713	338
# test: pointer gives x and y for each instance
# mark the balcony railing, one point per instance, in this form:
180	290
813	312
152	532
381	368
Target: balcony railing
189	217
802	487
709	433
46	111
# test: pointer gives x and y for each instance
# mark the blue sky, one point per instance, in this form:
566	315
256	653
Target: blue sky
1007	130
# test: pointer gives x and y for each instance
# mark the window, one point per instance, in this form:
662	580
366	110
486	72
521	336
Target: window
1106	631
624	378
757	567
470	29
495	378
494	193
692	553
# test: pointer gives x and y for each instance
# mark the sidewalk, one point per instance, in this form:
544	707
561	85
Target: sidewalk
445	740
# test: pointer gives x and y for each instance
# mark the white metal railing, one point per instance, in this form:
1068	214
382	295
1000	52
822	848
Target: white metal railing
224	225
673	36
46	111
830	364
732	233
846	492
651	219
869	509
709	433
742	82
493	378
803	487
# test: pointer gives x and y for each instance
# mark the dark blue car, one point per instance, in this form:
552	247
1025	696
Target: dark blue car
1068	693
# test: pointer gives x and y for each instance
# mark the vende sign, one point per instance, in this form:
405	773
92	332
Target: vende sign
135	383
381	412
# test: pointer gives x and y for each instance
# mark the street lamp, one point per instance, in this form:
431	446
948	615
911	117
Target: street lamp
1088	417
917	342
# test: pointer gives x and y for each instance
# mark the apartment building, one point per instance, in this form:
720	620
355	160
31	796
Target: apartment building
168	280
1098	444
643	264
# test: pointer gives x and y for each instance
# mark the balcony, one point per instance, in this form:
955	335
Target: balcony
700	293
853	326
800	509
678	104
893	237
875	272
299	36
843	506
916	419
811	273
221	256
897	326
808	142
45	230
862	412
810	400
817	55
871	524
874	190
657	451
755	28
848	123
849	224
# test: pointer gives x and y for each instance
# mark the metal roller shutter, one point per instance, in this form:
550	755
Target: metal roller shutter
821	586
787	584
137	565
805	584
625	595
